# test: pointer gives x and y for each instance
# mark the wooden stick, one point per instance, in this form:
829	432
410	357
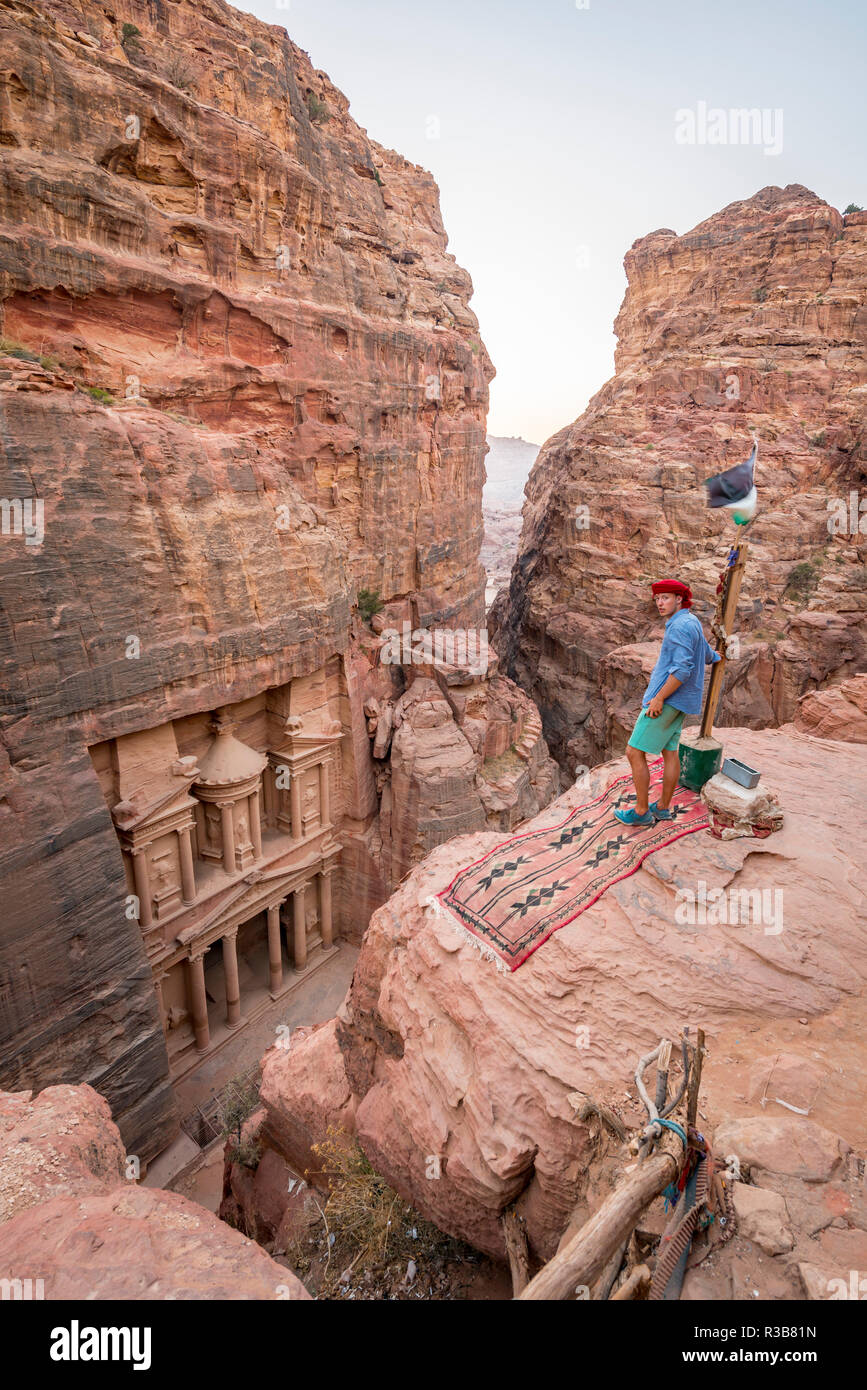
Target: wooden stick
634	1286
663	1062
585	1108
602	1288
515	1235
734	577
695	1081
588	1252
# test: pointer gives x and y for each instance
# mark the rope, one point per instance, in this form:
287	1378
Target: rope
657	1122
673	1125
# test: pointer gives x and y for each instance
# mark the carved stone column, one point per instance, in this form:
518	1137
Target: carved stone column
228	827
230	970
300	933
270	796
324	794
275	951
142	886
295	802
158	987
188	873
325	923
199	1001
255	825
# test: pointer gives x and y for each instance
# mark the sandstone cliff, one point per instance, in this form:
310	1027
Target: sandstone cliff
757	318
240	374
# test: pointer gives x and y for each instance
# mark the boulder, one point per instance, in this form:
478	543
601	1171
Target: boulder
737	810
821	1284
763	1218
788	1079
789	1145
839	712
59	1143
139	1243
305	1090
70	1217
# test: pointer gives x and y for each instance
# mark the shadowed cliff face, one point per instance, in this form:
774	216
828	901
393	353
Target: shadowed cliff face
192	224
755	319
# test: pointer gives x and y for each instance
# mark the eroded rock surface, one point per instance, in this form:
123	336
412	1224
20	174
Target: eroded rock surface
460	1076
839	712
68	1216
59	1142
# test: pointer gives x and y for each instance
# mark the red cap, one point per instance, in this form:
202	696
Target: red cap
674	586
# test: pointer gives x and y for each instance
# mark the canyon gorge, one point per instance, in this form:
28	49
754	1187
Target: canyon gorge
255	718
242	378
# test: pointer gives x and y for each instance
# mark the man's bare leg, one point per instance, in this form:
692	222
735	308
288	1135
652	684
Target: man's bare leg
640	776
670	774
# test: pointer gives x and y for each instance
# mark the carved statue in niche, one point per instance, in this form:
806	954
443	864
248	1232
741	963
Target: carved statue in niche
162	865
243	829
213	830
176	1016
164	879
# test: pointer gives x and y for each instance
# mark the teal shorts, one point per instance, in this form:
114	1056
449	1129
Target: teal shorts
663	732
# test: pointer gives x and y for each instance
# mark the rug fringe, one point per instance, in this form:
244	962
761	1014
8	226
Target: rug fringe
482	947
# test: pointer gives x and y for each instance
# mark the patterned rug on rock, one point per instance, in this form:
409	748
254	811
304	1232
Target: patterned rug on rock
510	901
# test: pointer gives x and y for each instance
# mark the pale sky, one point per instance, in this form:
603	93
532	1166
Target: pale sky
550	130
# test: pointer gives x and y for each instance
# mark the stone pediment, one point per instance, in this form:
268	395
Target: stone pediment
136	813
296	740
246	897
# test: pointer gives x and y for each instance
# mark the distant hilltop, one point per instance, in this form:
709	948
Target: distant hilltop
513	442
508	467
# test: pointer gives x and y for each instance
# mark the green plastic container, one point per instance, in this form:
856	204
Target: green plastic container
700	758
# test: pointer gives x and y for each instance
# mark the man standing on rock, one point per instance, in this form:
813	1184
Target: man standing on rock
673	691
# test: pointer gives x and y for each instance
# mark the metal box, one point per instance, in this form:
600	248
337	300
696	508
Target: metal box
739	772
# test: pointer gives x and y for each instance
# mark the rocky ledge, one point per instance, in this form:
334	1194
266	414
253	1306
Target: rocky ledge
72	1214
456	1079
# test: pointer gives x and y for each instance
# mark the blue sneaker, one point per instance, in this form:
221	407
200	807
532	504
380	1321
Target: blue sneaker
631	817
660	812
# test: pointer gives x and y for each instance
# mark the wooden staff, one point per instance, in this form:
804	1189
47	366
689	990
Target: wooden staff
695	1081
734	576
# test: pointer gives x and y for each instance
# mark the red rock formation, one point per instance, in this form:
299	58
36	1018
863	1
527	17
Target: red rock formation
454	750
61	1142
259	388
757	318
456	1078
838	713
67	1212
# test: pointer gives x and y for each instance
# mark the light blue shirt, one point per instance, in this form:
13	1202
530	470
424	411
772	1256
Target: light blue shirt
684	653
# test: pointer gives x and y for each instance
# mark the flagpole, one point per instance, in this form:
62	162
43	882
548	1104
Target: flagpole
723	630
734	577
